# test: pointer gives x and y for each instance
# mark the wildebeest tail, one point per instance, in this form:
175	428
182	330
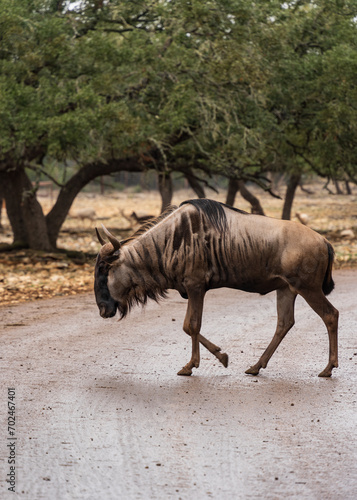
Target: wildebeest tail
328	285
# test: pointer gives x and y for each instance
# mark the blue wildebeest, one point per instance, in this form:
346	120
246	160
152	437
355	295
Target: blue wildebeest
204	245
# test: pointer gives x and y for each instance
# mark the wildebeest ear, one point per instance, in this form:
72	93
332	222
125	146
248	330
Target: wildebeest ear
112	239
100	239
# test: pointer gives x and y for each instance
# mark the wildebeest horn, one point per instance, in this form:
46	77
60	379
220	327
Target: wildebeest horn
112	239
100	239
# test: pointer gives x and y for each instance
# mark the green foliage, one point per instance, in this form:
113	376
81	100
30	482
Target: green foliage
311	48
253	85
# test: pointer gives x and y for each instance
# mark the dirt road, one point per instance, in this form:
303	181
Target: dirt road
101	413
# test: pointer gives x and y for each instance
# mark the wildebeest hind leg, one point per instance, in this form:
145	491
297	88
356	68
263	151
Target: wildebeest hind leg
285	307
329	315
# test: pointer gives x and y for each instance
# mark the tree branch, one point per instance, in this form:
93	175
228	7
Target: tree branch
37	168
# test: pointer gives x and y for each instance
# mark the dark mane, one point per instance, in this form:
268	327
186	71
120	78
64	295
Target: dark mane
213	210
235	209
150	223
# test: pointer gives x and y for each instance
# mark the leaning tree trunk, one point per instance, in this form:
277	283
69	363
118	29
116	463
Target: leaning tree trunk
76	183
293	183
165	189
194	184
24	211
253	200
26	216
234	186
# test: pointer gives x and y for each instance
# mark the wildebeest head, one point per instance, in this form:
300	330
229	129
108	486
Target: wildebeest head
107	255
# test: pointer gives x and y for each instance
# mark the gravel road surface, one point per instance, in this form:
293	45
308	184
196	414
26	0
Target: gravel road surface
101	413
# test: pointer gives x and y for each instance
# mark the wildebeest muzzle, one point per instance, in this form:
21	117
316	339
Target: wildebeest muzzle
106	304
108	309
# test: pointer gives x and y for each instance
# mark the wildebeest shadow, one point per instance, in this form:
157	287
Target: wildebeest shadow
224	394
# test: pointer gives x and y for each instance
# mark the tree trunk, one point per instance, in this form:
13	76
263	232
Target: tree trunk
337	186
348	188
235	185
195	185
253	200
26	216
12	196
29	225
76	183
24	211
289	195
2	199
165	189
233	188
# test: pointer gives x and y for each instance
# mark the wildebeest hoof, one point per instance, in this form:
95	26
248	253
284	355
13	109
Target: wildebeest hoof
253	370
185	371
224	359
327	372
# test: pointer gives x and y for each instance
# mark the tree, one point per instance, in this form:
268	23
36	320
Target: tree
55	102
311	54
45	107
236	88
234	186
110	86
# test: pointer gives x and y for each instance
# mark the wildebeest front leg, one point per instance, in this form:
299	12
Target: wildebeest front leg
215	350
192	326
285	307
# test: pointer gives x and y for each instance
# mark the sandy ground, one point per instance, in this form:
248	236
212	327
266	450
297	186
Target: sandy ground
101	413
